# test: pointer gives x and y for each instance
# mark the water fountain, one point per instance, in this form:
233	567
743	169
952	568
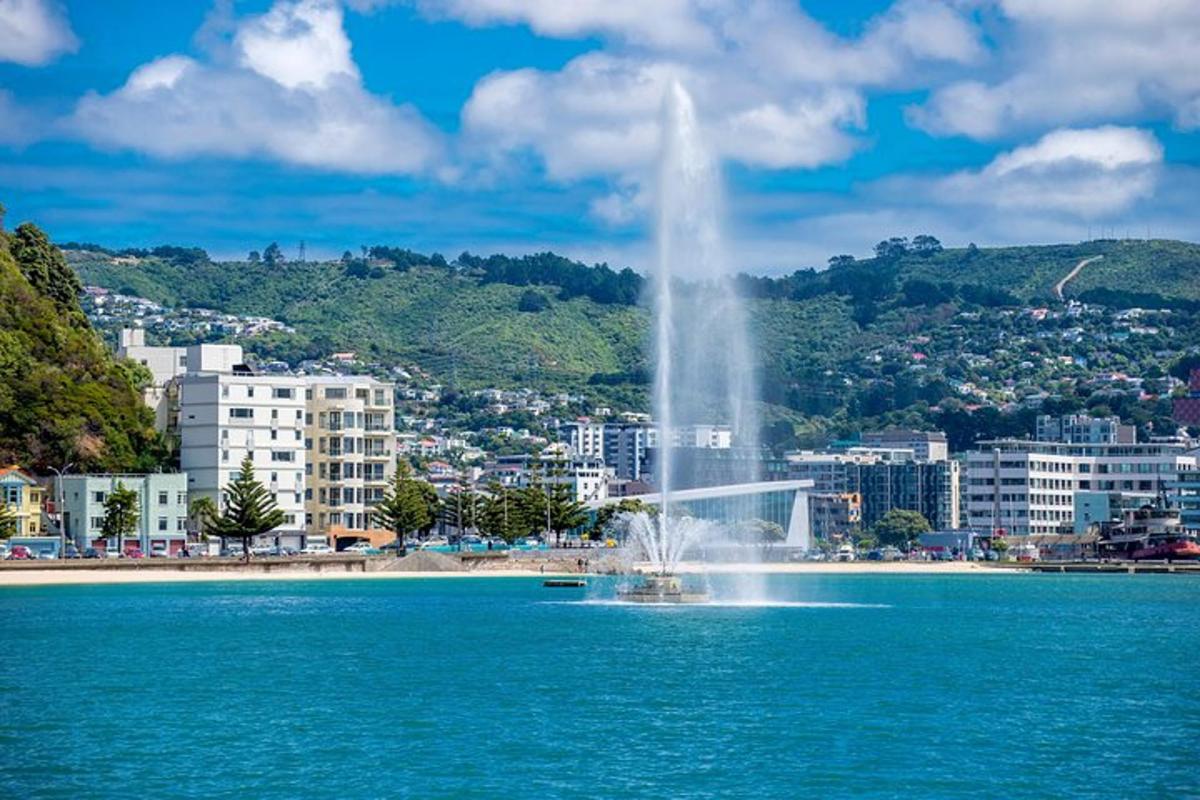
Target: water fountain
703	361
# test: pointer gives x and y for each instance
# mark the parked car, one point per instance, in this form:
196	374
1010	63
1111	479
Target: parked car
46	555
875	555
846	553
317	550
134	552
363	549
283	551
112	552
430	544
19	552
991	555
891	553
92	552
159	551
71	552
262	550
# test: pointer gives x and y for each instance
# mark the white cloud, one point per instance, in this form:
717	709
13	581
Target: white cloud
1086	173
34	32
1069	62
777	90
287	89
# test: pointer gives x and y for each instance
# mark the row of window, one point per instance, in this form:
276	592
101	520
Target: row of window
274	392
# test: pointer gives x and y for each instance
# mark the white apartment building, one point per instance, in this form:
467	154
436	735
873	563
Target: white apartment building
350	444
1029	487
164	363
226	412
586	437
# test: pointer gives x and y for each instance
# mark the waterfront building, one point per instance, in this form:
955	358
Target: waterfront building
925	445
228	412
1027	487
350	459
625	445
162	509
587	476
833	515
25	497
1084	429
1186	493
884	479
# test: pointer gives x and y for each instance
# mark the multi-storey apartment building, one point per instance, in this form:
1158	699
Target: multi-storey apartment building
164	363
926	445
350	444
226	413
1029	487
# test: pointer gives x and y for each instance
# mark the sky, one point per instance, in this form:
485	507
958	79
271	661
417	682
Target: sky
524	125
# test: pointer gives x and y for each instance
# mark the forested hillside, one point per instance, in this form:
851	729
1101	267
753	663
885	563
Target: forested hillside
912	335
63	398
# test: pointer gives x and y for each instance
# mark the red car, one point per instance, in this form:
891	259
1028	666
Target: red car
20	552
134	552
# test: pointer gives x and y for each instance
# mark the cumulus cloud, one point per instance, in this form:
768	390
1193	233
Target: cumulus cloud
34	32
777	89
1087	173
1078	61
286	89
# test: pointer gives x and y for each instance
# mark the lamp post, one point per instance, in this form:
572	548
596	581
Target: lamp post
58	507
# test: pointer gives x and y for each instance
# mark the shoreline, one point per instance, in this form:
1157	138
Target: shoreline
17	578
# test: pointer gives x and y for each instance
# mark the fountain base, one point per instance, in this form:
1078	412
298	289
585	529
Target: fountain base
660	589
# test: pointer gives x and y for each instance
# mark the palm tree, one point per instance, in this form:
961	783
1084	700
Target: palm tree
250	509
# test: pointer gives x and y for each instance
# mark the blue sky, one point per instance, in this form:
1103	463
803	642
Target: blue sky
520	125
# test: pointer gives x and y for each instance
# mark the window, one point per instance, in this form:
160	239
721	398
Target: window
224	391
97	523
274	413
98	497
274	435
297	436
162	523
163	498
283	393
283	455
335	393
249	391
225	455
241	413
180	524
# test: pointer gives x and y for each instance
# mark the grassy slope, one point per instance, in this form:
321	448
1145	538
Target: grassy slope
449	324
1167	267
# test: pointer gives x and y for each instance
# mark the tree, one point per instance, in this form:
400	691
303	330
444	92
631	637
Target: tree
203	512
900	527
841	261
250	509
254	257
120	514
564	512
272	255
45	267
8	521
502	514
532	302
405	507
891	249
926	245
462	509
606	514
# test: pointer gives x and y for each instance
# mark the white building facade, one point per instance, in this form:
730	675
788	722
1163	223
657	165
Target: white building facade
227	413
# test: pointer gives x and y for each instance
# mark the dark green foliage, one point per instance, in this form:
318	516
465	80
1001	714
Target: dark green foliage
120	514
44	267
8	521
272	255
249	509
408	506
62	396
532	302
900	528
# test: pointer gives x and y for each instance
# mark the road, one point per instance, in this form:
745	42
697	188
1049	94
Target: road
1070	276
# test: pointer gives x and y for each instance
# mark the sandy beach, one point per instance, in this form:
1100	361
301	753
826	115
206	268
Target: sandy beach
52	577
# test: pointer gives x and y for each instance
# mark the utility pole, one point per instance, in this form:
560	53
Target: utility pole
58	508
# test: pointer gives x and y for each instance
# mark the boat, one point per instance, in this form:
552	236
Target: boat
564	583
1173	547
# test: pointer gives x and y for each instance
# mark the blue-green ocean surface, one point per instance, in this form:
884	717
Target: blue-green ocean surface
1007	686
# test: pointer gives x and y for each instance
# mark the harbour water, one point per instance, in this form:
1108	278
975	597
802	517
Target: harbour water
1016	686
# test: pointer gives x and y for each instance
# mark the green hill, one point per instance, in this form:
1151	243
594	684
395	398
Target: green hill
62	396
894	338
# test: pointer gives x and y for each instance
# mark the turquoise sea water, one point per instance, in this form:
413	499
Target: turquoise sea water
1014	686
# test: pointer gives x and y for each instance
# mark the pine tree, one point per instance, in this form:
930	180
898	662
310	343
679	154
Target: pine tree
120	515
250	509
406	506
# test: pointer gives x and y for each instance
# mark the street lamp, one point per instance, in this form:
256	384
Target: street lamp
58	507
